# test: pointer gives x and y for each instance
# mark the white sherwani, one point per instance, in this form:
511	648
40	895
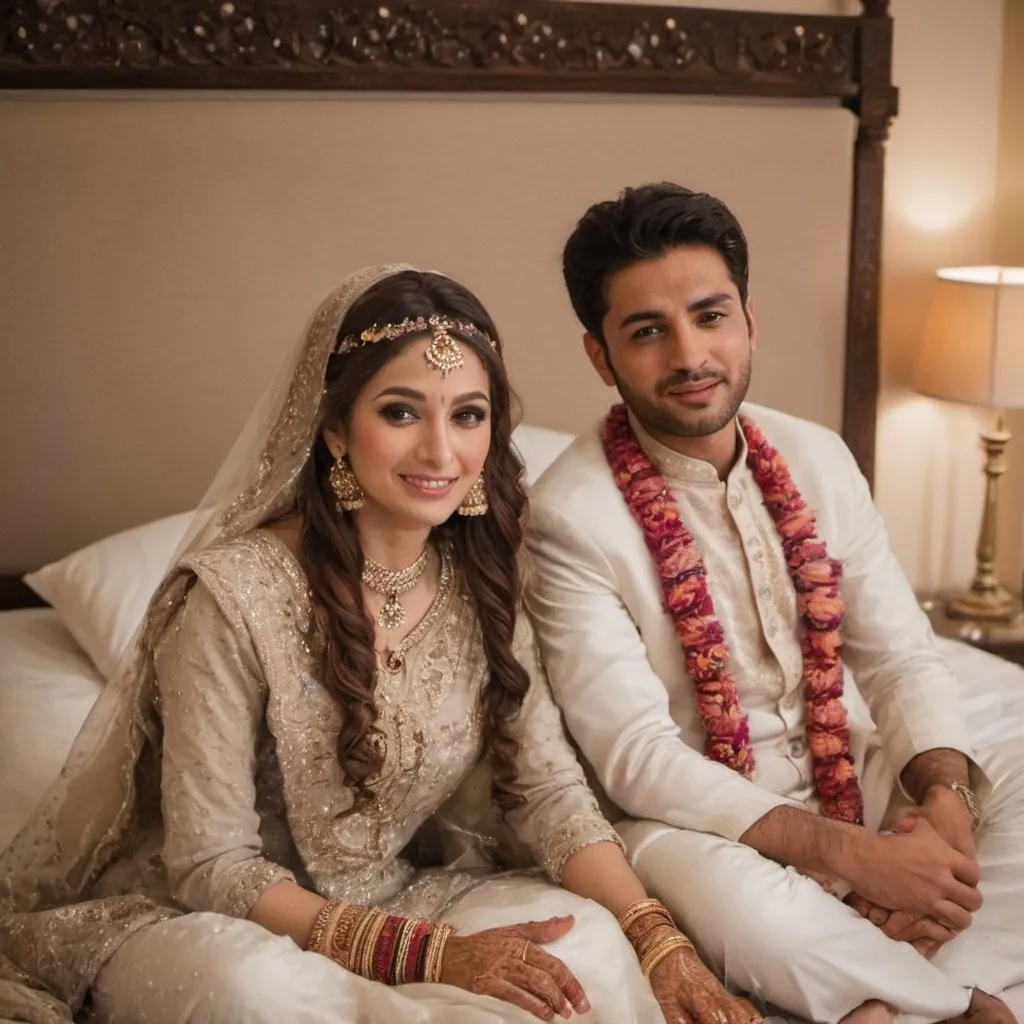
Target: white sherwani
617	669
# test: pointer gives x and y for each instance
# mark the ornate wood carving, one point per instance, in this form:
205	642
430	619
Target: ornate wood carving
449	45
497	45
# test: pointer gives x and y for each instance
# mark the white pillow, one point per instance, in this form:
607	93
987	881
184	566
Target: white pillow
101	591
539	447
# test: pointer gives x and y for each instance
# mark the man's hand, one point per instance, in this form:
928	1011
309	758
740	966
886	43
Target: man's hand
925	934
920	873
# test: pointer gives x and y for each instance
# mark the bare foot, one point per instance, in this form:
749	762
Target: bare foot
871	1012
985	1009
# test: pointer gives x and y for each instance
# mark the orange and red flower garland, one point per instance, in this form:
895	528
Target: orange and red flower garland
687	599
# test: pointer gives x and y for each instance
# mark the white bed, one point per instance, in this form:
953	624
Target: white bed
48	682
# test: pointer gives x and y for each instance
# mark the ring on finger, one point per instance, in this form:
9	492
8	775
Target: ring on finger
719	1017
526	946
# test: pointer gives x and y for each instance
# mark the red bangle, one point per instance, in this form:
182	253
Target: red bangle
411	968
384	954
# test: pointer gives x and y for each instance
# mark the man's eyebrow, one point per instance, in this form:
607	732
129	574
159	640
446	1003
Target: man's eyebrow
643	314
718	299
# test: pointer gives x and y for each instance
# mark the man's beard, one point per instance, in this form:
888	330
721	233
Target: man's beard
657	420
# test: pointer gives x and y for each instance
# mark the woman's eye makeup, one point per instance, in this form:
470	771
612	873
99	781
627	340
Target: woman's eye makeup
464	416
398	413
470	415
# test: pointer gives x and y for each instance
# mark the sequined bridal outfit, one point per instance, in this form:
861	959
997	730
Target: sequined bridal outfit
208	771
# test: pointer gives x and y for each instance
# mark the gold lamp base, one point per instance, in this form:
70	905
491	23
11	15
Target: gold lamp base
995	605
986	599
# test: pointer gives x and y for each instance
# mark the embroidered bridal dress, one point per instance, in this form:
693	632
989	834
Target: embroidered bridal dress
207	771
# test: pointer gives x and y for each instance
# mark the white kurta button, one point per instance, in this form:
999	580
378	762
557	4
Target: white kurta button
735	499
797	747
765	592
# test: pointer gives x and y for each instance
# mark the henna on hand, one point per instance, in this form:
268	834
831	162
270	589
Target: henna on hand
509	964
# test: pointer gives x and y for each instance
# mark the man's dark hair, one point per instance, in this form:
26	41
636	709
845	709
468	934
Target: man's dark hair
644	223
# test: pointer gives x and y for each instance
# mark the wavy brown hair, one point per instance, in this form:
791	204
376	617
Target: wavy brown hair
485	547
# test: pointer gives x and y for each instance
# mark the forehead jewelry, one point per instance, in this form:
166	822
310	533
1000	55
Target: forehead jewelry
443	353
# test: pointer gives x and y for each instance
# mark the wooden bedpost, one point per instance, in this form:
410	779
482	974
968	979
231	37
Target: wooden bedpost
875	105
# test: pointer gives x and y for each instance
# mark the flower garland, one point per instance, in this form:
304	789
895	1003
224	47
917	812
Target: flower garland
687	600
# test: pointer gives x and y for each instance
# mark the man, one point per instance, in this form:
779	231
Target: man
703	584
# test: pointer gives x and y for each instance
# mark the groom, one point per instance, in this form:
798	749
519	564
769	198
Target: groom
705	580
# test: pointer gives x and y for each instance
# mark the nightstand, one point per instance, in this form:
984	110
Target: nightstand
1003	638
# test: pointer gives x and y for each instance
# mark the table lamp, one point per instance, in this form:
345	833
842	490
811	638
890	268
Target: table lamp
973	352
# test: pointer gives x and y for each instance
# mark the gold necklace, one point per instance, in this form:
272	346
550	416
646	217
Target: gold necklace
392	583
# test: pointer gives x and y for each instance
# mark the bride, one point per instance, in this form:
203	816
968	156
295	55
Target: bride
280	807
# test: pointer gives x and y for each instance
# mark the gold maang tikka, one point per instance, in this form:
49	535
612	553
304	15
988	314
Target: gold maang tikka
392	583
443	352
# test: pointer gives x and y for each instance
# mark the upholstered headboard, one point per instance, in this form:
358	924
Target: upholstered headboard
184	181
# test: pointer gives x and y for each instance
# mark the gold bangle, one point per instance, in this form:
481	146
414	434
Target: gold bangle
662	950
644	943
321	930
403	941
339	948
435	952
358	943
370	940
635	911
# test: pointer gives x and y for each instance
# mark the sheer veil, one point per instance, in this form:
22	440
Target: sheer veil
85	817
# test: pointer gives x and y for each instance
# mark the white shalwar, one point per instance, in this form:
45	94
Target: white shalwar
617	670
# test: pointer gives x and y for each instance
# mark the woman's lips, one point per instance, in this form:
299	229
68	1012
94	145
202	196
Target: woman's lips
430	486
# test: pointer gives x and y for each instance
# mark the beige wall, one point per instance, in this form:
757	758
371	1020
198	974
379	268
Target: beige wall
940	196
159	253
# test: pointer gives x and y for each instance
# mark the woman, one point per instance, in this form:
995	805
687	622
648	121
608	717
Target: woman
281	761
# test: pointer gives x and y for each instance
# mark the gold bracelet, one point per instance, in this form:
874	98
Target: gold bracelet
662	950
339	945
402	942
435	952
357	943
642	943
635	911
370	939
323	919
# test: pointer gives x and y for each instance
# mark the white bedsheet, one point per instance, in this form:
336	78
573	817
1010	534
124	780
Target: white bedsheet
47	685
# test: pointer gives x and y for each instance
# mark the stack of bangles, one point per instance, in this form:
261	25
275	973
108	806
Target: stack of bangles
645	924
378	945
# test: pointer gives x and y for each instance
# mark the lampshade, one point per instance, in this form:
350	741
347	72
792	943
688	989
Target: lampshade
973	348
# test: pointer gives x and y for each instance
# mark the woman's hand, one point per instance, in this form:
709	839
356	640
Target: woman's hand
689	993
508	963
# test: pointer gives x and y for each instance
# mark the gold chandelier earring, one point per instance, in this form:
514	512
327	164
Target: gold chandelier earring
475	502
347	492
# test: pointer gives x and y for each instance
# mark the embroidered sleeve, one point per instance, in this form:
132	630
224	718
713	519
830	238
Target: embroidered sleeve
211	699
560	815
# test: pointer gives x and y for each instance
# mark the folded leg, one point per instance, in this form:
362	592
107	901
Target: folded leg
775	933
205	968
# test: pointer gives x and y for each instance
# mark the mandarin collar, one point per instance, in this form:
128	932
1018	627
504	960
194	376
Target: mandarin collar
674	466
